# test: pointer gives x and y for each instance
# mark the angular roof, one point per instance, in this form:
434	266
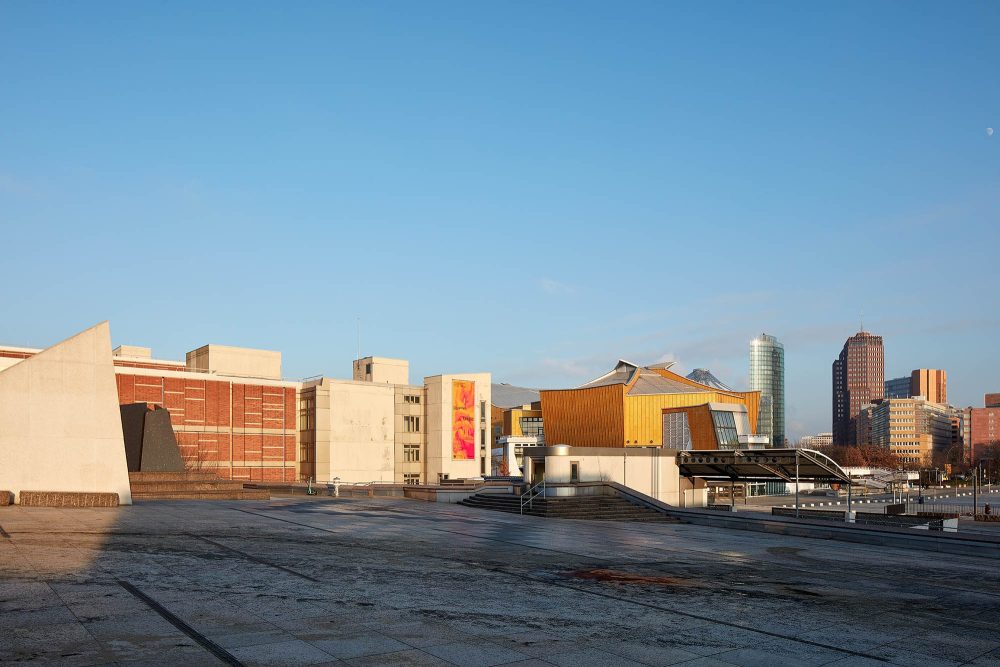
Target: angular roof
705	377
508	396
644	380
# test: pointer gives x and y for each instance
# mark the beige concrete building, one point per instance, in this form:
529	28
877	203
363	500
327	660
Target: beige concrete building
442	462
911	428
60	427
382	370
236	361
386	430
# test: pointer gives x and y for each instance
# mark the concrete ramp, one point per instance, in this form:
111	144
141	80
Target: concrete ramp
60	427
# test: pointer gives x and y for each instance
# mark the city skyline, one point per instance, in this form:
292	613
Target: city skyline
269	177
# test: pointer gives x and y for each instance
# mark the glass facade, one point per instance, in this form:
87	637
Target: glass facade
725	429
767	375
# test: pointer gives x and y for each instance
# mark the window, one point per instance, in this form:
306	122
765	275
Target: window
411	453
368	369
482	410
411	424
482	466
411	399
725	429
574	472
411	478
482	436
676	433
532	426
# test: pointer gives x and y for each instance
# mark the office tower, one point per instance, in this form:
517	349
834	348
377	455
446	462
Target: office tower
930	383
767	375
858	379
898	387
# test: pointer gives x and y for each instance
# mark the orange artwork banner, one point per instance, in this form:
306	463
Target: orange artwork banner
463	420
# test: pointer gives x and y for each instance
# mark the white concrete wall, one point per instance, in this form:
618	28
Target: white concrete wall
60	427
439	434
655	475
355	429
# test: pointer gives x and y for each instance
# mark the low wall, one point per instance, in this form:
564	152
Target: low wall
67	499
810	514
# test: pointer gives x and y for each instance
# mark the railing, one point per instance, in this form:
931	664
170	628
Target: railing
532	493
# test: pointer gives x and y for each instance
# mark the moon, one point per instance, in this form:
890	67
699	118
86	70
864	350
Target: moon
989	132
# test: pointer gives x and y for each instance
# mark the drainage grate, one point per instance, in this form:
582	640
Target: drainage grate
206	643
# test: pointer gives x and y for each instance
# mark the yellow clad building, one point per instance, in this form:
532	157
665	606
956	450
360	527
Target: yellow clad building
626	407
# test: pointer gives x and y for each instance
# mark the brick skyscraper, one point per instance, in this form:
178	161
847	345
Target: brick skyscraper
858	379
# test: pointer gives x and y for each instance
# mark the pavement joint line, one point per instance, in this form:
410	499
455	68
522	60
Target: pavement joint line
552	582
206	643
259	561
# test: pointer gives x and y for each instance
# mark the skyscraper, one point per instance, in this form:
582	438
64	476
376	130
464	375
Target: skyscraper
858	379
767	375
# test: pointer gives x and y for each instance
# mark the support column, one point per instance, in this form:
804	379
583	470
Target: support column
796	483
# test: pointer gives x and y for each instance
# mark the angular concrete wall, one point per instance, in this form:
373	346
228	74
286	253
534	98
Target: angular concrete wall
60	427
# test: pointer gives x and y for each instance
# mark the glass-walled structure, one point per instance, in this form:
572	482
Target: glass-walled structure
767	375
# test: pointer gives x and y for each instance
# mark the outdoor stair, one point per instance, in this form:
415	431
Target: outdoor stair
190	485
600	508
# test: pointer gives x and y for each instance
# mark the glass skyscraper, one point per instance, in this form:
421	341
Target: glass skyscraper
767	375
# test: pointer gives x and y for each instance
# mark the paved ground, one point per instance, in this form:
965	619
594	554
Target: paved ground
395	582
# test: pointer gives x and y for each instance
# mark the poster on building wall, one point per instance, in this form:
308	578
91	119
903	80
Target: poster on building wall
463	420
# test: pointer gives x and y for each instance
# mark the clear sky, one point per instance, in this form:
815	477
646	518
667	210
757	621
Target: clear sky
529	188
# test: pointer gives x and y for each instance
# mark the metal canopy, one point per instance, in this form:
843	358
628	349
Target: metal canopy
761	465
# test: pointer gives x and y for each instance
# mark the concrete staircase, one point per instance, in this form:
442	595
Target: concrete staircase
190	485
599	508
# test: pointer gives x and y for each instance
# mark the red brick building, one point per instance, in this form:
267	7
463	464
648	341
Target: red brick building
858	380
241	427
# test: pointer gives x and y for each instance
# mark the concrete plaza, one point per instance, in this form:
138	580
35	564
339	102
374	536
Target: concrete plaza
397	582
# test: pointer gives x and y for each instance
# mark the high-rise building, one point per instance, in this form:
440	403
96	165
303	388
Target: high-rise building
931	383
767	375
898	387
858	379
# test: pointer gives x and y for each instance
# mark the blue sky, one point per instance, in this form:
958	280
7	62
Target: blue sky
529	188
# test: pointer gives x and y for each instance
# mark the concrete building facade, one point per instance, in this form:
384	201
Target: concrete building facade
60	428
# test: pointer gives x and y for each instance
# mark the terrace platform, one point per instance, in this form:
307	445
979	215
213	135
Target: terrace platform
386	581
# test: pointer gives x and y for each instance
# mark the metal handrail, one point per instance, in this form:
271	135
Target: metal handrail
532	494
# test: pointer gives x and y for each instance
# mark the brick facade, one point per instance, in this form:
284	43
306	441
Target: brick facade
239	430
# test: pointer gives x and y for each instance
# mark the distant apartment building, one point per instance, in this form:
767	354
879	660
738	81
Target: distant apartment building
911	428
992	400
858	380
816	441
767	375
